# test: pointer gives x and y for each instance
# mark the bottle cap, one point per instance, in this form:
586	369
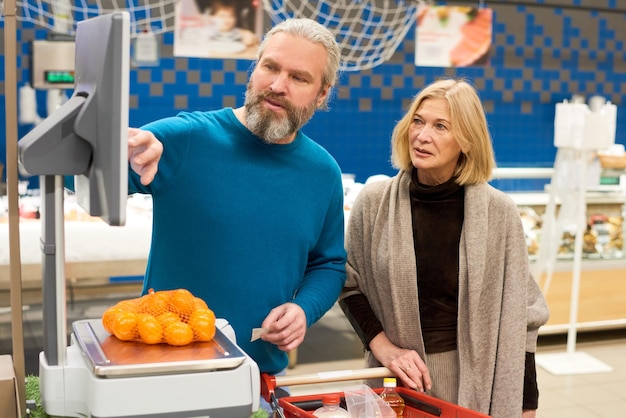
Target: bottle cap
331	399
389	382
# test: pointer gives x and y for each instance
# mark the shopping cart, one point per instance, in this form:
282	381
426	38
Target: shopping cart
417	404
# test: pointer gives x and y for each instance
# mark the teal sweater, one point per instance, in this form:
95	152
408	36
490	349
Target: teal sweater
245	225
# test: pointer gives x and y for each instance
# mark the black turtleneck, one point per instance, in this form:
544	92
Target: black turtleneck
437	213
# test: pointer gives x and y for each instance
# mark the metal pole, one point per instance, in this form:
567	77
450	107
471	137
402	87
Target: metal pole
10	97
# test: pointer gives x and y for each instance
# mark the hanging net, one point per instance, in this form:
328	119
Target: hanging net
368	31
60	16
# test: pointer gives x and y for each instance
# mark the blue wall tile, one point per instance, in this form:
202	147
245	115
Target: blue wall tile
540	56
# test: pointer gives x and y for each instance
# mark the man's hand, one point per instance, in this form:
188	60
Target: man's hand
286	326
144	153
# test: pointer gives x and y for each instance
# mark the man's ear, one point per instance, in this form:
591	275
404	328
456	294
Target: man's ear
321	100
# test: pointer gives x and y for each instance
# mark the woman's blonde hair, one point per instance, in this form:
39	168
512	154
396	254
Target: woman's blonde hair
468	125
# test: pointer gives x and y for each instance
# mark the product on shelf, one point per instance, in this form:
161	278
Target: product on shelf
602	238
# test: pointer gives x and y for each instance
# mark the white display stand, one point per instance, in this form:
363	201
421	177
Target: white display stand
579	133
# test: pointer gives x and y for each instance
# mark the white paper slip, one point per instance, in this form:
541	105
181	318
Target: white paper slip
257	332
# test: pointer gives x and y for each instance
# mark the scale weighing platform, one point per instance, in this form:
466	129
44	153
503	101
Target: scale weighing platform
105	377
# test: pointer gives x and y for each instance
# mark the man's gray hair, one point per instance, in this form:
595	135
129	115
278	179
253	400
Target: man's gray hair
314	32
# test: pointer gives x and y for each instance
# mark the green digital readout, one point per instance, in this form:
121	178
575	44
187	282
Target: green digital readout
59	77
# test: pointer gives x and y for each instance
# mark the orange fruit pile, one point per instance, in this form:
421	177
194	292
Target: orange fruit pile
175	317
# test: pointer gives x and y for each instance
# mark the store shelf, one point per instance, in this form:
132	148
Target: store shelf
602	293
602	297
609	197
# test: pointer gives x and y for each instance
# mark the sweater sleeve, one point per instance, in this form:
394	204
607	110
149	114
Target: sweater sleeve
537	313
531	390
362	318
325	273
174	133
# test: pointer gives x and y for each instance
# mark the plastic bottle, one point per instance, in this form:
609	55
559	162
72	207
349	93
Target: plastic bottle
330	407
391	397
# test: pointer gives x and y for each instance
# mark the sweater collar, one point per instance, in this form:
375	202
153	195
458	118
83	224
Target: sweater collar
438	192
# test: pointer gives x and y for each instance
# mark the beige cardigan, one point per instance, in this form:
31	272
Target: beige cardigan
500	305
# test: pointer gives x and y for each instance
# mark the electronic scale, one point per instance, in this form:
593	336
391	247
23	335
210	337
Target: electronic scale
107	377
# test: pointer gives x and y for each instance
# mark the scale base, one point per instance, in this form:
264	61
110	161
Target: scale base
74	390
563	364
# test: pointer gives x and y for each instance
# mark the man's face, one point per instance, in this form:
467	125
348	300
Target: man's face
285	87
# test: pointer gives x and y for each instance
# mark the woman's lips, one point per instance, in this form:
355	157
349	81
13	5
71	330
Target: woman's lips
421	151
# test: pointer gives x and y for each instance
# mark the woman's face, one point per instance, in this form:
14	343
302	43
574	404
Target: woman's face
433	147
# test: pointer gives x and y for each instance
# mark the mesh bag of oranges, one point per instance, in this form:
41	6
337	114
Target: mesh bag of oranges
174	317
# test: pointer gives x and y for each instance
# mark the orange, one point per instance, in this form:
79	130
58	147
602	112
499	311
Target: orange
125	326
199	303
182	303
129	305
109	317
202	322
178	334
149	328
154	303
166	318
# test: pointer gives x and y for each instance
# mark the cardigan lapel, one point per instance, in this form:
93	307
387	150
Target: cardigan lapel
403	270
473	249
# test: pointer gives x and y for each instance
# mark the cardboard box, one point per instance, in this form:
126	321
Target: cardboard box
8	388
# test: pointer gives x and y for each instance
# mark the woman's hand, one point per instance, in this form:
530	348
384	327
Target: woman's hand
405	364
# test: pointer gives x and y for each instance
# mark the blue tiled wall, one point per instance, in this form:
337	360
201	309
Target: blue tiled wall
542	53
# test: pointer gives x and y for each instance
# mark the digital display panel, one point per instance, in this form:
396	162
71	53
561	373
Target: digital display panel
59	77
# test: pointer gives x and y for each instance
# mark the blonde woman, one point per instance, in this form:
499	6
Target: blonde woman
438	284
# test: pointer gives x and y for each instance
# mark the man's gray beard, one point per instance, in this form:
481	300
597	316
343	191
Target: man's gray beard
270	126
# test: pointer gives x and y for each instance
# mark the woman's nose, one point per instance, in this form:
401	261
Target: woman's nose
424	134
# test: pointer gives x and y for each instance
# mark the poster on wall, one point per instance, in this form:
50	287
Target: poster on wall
453	36
217	28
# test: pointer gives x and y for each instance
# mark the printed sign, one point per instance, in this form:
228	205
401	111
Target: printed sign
217	29
453	36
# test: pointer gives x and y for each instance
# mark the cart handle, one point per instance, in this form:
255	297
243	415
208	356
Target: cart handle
269	383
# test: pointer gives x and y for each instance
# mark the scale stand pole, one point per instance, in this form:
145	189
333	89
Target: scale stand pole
53	269
581	203
573	362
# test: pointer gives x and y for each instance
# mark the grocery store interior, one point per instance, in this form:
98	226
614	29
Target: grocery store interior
540	55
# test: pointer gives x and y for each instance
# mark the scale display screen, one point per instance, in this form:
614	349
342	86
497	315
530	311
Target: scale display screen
53	64
59	77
